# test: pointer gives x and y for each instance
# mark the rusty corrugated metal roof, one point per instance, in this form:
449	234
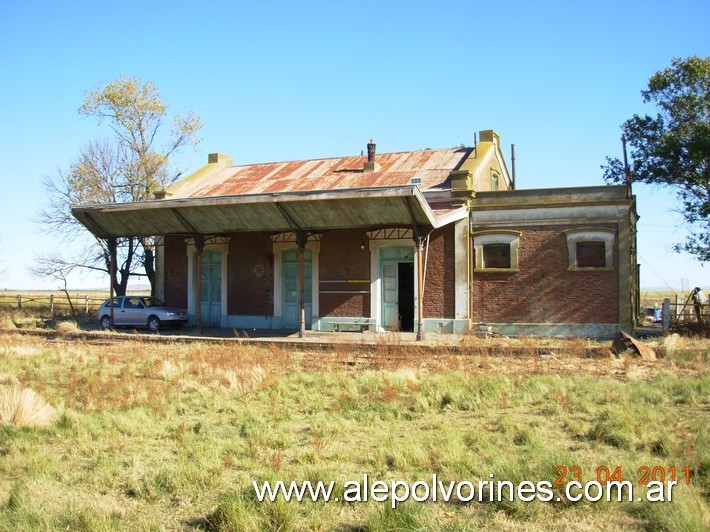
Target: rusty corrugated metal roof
317	194
395	169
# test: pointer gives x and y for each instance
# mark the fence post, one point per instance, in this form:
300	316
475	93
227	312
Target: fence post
86	305
51	304
666	313
19	301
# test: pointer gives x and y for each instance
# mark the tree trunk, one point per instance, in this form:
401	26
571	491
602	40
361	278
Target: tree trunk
149	263
71	305
121	275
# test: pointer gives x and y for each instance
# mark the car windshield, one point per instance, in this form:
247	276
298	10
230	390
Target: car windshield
152	302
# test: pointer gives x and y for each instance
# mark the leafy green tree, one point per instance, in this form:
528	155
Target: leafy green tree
131	165
672	148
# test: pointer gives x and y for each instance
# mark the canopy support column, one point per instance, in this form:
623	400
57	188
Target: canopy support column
111	244
199	247
301	240
419	246
418	235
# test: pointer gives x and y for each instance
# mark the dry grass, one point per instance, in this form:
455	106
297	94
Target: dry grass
22	407
7	323
67	327
240	380
8	379
170	435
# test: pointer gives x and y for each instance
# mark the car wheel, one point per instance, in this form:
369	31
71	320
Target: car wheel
154	323
105	322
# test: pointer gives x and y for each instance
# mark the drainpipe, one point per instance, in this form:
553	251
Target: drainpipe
512	159
426	261
627	170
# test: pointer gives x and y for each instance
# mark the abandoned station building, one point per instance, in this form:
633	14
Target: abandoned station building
437	240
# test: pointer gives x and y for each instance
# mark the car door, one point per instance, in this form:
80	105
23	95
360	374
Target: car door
133	312
117	307
106	309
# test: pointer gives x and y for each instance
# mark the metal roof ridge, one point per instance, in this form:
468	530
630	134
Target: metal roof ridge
357	156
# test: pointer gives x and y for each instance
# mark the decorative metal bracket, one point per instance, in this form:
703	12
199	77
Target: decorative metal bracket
185	222
289	220
97	229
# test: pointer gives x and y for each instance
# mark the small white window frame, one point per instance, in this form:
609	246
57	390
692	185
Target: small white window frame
495	179
482	238
590	234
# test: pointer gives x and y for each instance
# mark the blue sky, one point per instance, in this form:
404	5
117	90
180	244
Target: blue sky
277	80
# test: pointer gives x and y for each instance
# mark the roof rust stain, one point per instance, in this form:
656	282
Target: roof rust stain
395	169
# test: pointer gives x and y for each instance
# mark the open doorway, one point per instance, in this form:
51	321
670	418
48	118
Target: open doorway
397	275
405	289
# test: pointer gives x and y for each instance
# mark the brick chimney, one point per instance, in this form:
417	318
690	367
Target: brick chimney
371	165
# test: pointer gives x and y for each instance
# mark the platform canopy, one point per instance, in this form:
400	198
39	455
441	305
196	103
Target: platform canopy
400	206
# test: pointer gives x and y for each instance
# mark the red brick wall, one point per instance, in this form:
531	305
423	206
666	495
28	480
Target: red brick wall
175	252
543	291
341	259
439	287
250	275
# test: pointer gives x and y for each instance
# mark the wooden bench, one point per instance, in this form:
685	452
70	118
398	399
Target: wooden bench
339	325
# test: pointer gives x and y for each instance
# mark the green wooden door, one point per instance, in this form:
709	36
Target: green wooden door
211	288
390	305
290	299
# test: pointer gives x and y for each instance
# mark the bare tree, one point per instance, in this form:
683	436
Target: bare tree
130	166
54	267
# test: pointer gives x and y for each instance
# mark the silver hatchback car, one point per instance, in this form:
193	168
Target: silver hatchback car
140	311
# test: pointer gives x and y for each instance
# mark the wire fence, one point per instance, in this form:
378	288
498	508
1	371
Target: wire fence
52	303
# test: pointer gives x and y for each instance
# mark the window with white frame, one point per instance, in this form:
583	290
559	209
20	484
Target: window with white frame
590	249
496	251
494	180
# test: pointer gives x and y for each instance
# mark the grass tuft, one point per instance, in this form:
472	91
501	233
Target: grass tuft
22	407
688	512
614	427
7	323
241	380
67	327
242	512
8	379
407	516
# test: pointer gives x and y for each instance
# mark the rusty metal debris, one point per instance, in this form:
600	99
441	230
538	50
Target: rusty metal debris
626	343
